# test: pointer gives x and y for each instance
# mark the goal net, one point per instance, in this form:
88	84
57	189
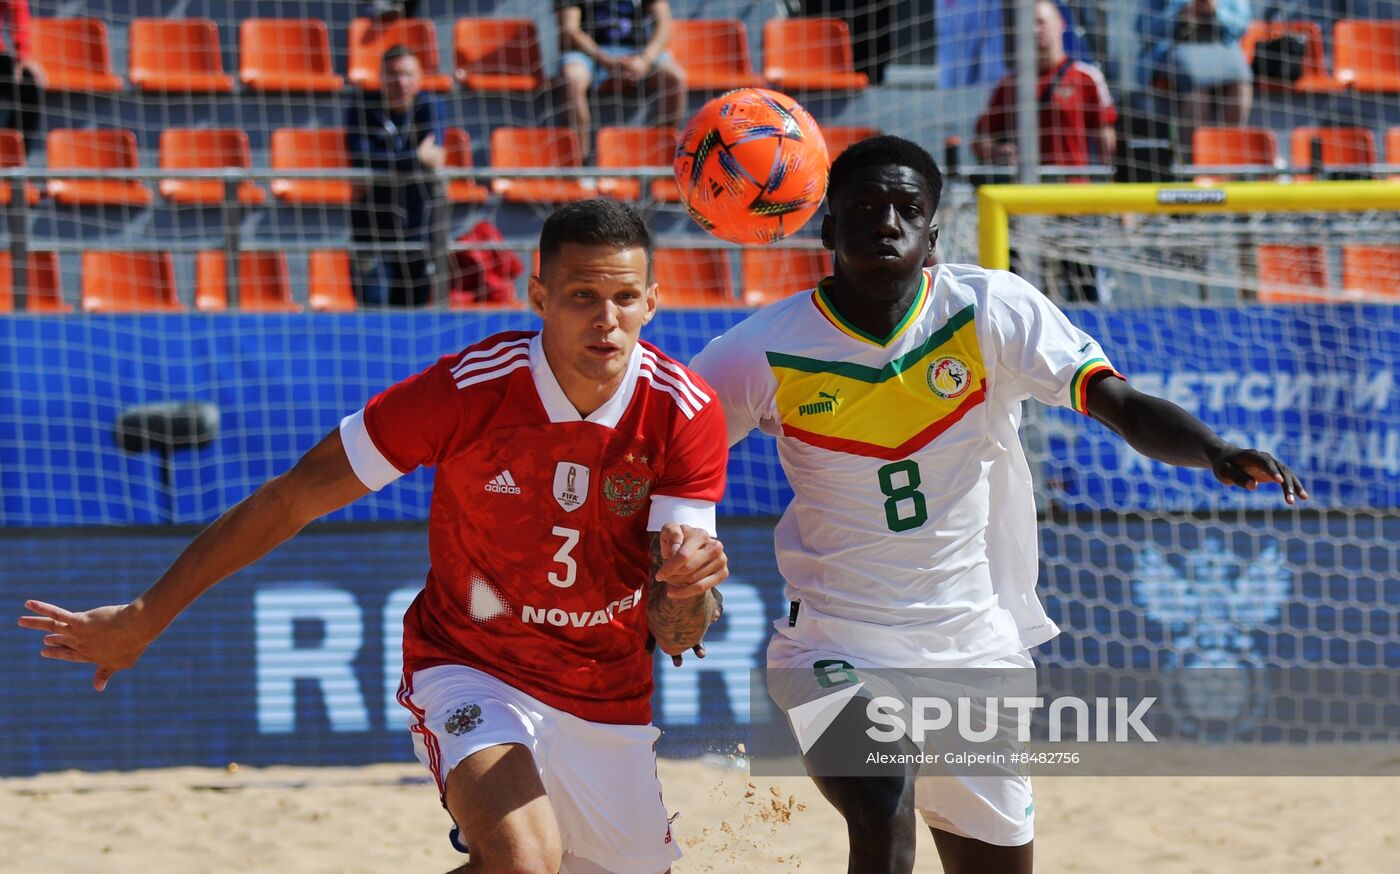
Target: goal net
181	229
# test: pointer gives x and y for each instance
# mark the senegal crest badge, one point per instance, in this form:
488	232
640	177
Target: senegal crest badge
949	377
464	720
624	492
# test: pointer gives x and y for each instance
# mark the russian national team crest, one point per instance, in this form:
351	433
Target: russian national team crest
464	719
949	377
570	485
625	492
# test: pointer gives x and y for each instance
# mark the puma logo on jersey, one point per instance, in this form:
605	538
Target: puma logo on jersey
828	405
503	484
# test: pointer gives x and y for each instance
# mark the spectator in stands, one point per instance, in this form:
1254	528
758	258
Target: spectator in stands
603	39
1192	50
1075	109
21	78
398	133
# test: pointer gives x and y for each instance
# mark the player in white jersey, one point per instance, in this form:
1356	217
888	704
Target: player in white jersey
895	392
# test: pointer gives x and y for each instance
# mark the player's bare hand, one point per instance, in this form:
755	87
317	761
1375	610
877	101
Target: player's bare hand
717	600
1248	468
693	562
108	637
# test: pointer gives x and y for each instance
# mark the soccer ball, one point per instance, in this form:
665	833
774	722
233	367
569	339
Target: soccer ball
752	166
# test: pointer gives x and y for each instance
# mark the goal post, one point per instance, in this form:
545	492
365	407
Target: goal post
997	203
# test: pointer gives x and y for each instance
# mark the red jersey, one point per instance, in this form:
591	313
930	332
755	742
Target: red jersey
1078	105
538	531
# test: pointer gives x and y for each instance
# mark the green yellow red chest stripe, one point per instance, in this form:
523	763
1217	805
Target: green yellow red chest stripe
884	412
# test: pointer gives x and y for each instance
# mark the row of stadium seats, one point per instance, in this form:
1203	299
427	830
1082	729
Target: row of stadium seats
324	148
1248	146
1283	270
1365	54
183	55
145	281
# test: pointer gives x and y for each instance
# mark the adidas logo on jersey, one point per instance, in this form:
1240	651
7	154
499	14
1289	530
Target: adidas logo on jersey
503	484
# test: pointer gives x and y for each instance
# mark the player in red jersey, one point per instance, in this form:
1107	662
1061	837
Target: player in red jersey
574	466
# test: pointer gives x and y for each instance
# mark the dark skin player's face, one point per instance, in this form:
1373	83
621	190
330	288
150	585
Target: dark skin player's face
880	225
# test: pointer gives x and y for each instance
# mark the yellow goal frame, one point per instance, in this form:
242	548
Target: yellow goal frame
997	203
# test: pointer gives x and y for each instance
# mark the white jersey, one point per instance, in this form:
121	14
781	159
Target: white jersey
911	537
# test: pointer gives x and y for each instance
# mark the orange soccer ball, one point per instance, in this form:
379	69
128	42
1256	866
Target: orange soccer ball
752	166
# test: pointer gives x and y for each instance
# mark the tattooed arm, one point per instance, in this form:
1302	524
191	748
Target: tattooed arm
681	600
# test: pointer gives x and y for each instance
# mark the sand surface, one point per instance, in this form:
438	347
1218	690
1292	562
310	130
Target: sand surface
385	818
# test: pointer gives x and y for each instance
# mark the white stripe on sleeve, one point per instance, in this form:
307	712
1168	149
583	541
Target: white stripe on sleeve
686	511
369	464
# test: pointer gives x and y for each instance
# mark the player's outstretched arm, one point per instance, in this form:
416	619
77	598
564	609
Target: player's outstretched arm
1161	430
114	637
687	563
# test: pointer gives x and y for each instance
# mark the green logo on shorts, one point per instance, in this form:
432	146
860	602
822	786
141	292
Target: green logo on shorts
834	672
465	719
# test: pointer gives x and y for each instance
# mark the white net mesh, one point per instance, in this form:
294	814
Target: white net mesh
242	285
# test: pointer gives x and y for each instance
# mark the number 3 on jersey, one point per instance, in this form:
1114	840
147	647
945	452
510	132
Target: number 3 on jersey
570	536
905	508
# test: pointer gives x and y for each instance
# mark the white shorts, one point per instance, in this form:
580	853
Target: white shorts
601	779
995	809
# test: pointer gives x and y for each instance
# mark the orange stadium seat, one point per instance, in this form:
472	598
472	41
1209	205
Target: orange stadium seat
637	147
1392	149
1315	77
302	149
773	274
521	147
1340	146
1232	147
204	149
369	40
1366	55
12	154
95	150
182	55
810	54
278	54
459	157
714	53
121	282
840	138
45	294
1374	269
693	277
330	289
74	54
263	285
498	54
1285	269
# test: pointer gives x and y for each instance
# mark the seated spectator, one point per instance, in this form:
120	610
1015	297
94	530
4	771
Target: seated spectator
603	39
21	79
1075	109
397	132
1192	49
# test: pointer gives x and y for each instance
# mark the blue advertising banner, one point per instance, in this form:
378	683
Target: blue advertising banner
1314	384
296	660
